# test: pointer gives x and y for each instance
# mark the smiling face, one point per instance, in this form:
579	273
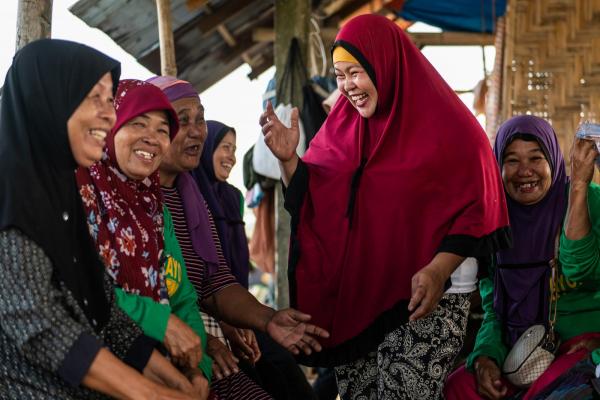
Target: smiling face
141	143
91	122
526	172
354	83
186	149
224	156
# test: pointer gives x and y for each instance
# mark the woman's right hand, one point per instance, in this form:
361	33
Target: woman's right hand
225	363
487	374
182	343
281	140
583	155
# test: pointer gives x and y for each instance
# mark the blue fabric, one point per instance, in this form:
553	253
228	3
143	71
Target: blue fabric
455	15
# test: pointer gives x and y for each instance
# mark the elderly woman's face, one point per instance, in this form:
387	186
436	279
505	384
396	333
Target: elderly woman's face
354	83
186	149
141	143
526	172
91	122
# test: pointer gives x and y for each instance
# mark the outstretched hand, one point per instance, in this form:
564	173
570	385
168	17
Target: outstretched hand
281	140
290	328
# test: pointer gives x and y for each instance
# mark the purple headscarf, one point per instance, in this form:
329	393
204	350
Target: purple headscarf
521	286
196	213
224	201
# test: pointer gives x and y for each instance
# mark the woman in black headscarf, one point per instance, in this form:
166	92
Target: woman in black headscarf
60	334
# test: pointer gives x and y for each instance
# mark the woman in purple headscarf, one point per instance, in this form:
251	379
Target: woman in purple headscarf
516	294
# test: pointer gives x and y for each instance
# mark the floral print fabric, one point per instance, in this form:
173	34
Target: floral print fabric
125	220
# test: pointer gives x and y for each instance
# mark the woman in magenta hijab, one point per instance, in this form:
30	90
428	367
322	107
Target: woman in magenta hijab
397	189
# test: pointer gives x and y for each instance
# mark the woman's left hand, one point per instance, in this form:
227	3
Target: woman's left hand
225	363
290	328
590	344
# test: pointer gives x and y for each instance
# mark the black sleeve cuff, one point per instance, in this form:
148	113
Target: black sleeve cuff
140	351
470	246
294	193
79	359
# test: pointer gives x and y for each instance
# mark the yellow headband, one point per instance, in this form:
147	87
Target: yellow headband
341	54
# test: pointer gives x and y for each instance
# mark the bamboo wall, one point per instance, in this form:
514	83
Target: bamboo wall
551	62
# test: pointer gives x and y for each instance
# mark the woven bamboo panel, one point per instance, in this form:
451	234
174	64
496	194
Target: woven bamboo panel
552	62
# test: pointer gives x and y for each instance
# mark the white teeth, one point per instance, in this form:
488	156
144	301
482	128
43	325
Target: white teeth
227	166
98	134
144	154
359	97
527	185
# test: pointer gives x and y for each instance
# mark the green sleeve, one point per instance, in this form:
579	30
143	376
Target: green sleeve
596	356
241	205
182	294
151	316
580	259
489	338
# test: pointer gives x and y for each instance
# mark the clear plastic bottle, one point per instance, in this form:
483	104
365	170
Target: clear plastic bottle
589	128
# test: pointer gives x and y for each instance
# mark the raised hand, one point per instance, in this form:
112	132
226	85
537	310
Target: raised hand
290	328
583	154
281	140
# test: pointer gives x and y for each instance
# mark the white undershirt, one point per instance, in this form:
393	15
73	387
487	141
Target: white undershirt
464	278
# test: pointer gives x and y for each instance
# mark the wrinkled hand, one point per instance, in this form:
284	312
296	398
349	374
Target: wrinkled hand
225	363
587	344
488	375
182	343
427	290
583	155
161	393
243	342
200	387
281	140
290	329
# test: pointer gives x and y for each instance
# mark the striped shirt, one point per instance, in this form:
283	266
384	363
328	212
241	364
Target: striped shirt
196	268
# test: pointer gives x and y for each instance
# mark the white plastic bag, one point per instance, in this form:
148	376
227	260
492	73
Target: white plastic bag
263	161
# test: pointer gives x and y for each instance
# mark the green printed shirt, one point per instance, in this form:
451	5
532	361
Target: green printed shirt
152	316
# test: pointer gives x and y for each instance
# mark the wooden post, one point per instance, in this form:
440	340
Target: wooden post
34	21
292	18
168	65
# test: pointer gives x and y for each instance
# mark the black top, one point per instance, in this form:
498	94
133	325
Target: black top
45	84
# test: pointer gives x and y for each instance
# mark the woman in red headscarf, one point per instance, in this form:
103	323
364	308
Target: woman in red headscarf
397	189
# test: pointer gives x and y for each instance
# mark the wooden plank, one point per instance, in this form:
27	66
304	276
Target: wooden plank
209	23
226	35
422	39
168	65
34	21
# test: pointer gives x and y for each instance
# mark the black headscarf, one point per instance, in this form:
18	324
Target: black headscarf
224	202
45	84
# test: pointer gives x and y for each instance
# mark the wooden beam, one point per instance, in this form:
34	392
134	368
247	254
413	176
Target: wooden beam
168	65
422	39
209	23
262	67
195	4
226	35
349	8
34	21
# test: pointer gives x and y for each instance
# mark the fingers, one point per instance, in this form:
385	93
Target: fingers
298	316
225	363
316	331
417	296
266	128
312	343
295	115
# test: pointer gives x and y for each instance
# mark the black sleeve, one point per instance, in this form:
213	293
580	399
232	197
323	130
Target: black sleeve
470	246
294	193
